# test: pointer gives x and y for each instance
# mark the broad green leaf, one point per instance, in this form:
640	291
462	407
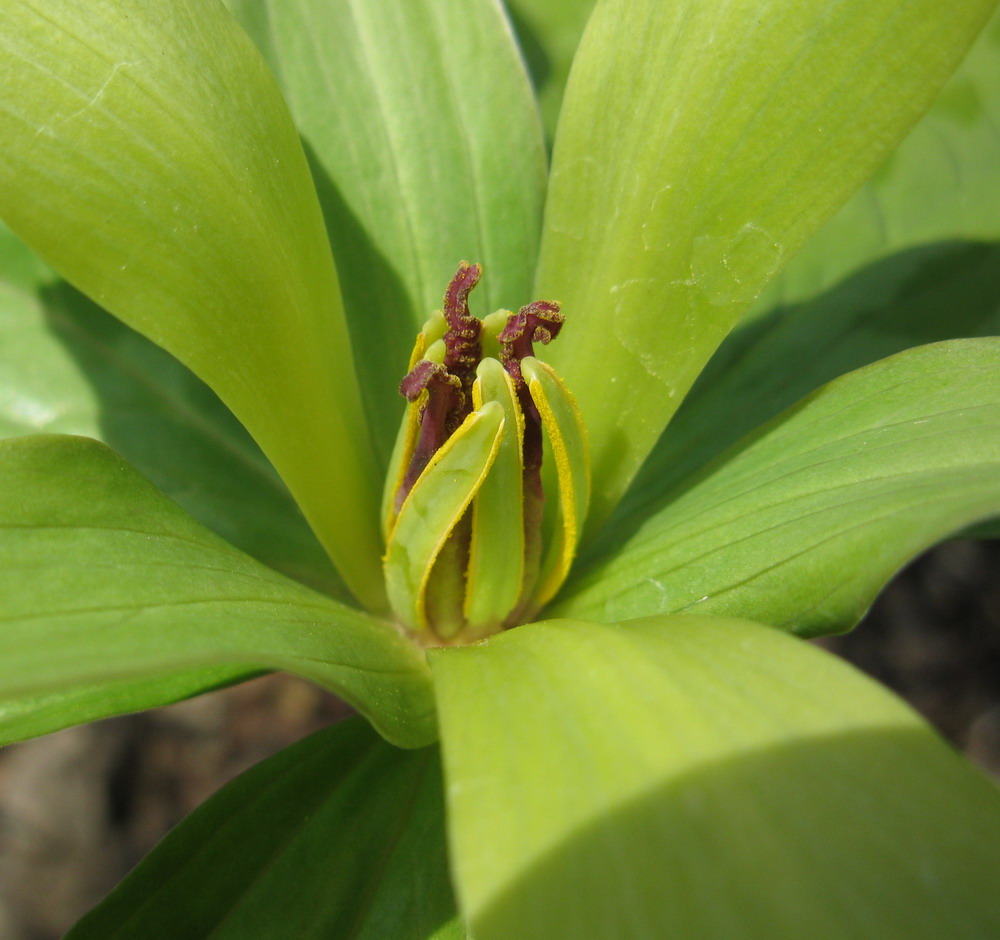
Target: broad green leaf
701	143
29	716
68	367
340	835
941	184
148	156
695	777
549	32
426	147
923	295
802	523
102	579
920	223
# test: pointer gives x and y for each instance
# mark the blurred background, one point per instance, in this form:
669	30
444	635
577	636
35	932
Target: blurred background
80	807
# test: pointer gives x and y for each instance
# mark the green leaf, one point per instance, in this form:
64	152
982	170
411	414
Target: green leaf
803	522
695	777
29	716
923	295
415	166
941	184
68	367
340	835
701	143
549	32
920	223
102	579
148	156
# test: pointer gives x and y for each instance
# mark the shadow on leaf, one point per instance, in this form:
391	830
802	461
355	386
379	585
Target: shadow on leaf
875	834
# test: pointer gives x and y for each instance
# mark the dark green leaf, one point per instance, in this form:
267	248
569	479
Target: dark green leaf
68	367
923	295
549	32
340	835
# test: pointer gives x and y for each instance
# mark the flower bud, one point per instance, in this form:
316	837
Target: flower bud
474	543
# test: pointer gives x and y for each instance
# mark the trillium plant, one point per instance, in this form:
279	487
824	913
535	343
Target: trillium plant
541	413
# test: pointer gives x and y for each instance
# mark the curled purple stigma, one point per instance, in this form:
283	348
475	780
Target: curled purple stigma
461	341
537	322
448	384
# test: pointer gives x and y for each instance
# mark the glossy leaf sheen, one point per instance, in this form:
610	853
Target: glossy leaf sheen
696	777
677	194
340	835
102	579
414	166
149	157
802	523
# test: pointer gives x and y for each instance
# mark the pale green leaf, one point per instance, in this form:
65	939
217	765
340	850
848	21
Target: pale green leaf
928	226
104	580
148	156
340	835
693	777
802	523
67	367
941	184
426	147
701	143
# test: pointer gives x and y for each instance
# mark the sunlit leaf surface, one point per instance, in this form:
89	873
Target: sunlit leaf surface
678	192
148	156
70	368
695	777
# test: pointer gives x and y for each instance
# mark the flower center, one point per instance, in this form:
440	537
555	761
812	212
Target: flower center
489	481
